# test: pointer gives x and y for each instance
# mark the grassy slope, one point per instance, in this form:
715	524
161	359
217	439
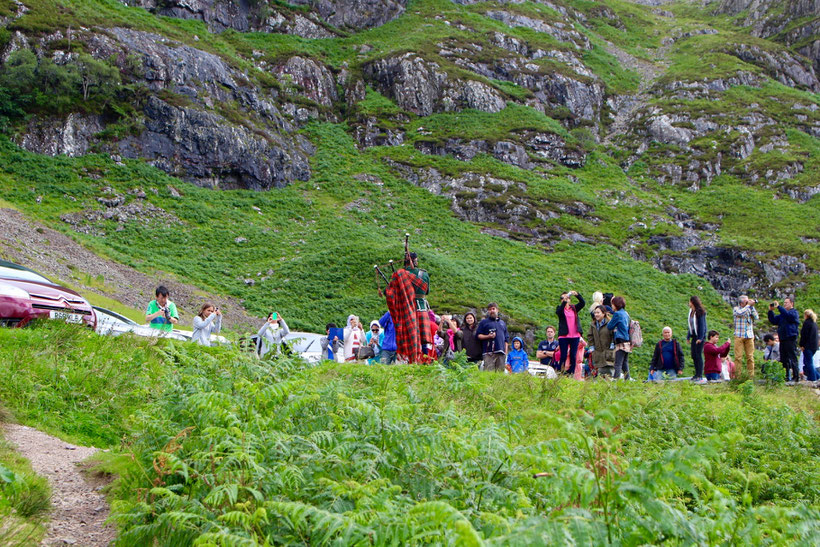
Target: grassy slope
319	243
321	251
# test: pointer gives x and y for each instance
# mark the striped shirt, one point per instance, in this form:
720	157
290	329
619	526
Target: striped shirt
745	317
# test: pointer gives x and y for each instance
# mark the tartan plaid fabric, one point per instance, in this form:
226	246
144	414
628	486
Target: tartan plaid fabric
409	324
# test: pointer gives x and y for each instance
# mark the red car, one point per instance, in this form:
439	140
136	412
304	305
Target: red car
26	295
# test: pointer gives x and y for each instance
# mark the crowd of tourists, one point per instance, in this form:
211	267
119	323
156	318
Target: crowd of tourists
602	350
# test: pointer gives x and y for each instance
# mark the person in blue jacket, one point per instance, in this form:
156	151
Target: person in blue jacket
696	334
517	359
788	326
619	325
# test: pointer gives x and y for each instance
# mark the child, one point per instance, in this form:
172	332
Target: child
712	363
336	348
375	339
517	359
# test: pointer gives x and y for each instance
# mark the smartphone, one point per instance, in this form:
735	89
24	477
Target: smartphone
274	316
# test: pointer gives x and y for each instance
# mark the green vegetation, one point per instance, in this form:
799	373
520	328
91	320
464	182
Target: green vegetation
24	499
290	237
229	449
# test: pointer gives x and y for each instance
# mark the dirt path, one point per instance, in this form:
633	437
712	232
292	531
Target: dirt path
52	253
631	104
78	509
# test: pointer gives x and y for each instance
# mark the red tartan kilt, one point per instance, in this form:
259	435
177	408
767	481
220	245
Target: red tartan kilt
423	318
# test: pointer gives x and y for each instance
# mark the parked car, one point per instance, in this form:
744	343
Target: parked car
306	344
114	324
26	295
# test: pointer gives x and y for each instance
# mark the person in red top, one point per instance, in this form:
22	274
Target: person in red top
714	354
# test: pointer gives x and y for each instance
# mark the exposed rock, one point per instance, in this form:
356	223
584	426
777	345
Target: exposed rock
193	137
421	87
733	272
562	32
355	14
312	79
202	147
662	130
786	68
70	136
371	133
242	15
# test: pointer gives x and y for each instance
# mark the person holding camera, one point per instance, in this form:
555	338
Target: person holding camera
272	333
808	344
788	323
161	313
492	331
569	328
745	315
207	322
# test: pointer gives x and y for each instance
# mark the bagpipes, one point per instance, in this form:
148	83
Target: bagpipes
377	271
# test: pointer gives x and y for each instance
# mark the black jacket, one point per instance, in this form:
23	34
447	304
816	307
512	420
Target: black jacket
470	342
563	328
808	335
657	357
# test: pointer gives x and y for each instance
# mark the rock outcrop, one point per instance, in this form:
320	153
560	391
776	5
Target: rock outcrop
189	118
422	87
322	21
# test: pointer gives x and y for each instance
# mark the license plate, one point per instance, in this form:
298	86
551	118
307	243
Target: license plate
67	317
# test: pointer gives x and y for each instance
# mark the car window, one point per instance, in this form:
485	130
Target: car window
22	275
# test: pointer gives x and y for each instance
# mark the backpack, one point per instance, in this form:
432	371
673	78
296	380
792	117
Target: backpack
635	334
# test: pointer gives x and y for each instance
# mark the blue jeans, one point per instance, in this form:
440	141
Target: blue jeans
713	376
808	366
671	374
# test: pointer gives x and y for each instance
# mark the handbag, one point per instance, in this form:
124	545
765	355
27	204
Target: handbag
366	352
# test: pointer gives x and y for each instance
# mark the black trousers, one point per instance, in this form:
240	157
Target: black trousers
697	358
788	356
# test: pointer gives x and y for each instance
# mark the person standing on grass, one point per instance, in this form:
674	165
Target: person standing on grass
335	345
547	348
788	324
492	331
517	359
808	344
601	343
771	352
668	357
619	325
354	338
569	328
388	355
375	339
162	313
745	315
714	355
696	334
473	347
207	322
272	334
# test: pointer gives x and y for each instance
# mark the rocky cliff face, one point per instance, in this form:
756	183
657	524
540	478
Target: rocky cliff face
794	22
324	20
